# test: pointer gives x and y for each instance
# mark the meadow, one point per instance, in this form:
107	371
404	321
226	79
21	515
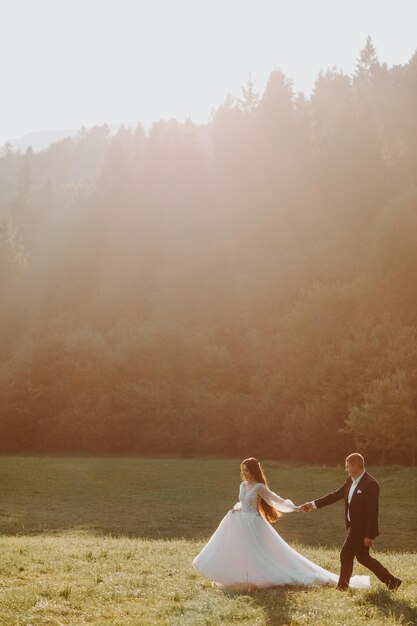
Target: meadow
110	541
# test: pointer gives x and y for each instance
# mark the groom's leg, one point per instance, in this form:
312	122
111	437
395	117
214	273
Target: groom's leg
347	554
363	556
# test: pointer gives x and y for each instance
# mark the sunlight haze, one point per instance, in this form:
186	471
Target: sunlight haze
71	64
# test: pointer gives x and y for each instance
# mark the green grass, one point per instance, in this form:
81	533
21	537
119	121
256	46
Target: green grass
166	498
78	580
110	541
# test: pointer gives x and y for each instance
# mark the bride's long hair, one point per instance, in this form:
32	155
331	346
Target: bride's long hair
256	471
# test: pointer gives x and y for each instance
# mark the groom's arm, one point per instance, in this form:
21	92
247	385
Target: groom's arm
371	495
330	498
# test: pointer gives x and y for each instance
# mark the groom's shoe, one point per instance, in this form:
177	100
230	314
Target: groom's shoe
394	583
342	587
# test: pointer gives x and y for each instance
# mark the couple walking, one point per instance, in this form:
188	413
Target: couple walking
246	552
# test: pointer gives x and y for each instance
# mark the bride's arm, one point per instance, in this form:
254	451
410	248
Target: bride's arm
238	505
284	506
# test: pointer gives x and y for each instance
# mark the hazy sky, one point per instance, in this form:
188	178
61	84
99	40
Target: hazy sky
69	63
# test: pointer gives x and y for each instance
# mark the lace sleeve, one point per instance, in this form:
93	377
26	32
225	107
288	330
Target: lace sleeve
284	506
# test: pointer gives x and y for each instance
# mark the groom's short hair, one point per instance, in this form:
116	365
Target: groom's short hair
356	459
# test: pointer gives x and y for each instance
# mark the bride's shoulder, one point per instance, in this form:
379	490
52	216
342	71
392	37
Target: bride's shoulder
254	486
260	486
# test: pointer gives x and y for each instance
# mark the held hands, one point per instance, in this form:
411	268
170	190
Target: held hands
368	542
306	507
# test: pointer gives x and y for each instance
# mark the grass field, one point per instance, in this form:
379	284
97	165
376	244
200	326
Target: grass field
110	541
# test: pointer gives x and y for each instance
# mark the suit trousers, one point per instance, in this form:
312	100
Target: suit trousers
354	547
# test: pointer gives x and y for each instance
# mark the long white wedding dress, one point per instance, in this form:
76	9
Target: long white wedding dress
246	552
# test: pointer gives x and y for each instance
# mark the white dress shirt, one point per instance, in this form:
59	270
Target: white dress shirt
352	489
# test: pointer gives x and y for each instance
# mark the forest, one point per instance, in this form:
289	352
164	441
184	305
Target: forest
242	287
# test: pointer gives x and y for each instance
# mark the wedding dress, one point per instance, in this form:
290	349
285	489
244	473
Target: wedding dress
246	552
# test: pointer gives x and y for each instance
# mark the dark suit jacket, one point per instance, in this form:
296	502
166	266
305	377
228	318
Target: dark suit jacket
363	509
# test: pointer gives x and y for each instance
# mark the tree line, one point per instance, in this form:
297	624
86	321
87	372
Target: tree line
243	287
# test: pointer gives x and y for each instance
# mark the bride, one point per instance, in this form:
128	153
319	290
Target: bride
245	552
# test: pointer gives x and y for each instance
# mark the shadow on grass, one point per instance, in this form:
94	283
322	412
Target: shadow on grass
277	603
389	605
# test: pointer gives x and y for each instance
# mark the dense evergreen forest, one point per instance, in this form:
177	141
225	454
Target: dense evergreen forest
248	286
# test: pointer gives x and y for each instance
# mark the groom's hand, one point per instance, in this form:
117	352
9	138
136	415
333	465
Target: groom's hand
306	507
368	542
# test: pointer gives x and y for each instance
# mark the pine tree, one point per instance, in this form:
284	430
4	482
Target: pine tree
367	61
250	98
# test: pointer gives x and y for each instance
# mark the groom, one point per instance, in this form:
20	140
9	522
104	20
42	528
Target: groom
360	492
